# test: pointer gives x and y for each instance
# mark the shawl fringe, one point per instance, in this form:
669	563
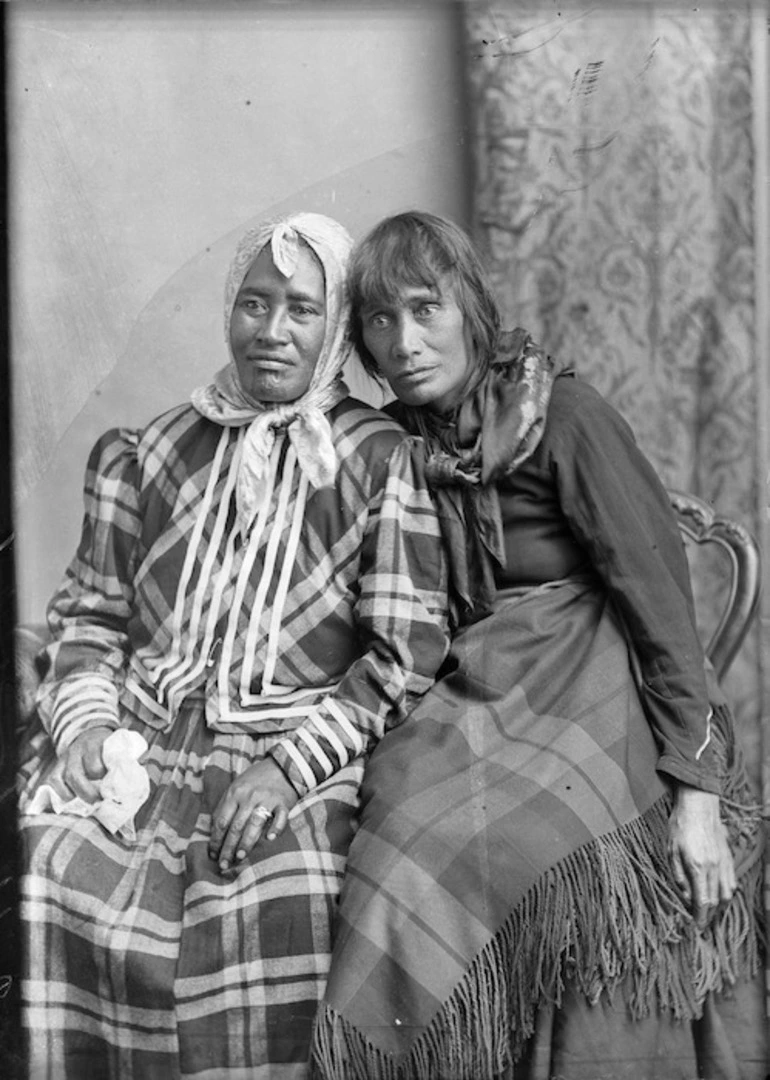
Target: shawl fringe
609	920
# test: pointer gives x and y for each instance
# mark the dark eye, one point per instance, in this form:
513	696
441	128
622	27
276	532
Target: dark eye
251	304
426	311
378	321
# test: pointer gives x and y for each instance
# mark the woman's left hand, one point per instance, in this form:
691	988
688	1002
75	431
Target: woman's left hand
257	803
700	855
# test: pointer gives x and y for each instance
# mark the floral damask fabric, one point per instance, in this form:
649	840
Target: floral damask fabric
613	199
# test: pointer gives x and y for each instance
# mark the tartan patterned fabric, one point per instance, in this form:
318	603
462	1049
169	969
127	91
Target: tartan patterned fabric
166	598
304	641
513	842
143	961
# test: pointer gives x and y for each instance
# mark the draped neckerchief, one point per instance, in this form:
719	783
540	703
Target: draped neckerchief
494	429
304	420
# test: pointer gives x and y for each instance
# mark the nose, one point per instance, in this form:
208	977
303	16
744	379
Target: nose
273	327
406	341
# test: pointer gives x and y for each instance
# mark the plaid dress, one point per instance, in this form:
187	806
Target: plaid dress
303	641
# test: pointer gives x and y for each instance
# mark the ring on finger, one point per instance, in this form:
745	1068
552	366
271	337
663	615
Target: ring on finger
263	812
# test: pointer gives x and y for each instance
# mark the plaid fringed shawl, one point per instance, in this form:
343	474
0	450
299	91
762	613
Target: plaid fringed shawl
513	842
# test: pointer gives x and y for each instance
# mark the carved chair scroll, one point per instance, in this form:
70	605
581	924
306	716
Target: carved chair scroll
701	524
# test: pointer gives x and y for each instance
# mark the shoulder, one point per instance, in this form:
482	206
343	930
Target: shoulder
584	435
174	424
373	449
175	433
180	436
577	412
113	452
361	428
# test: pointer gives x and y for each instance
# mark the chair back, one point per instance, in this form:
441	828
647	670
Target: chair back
698	522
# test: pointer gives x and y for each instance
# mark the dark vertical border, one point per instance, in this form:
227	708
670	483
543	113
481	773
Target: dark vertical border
460	49
10	953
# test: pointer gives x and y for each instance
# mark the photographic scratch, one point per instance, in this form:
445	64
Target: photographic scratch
523	52
586	82
551	27
649	59
589	148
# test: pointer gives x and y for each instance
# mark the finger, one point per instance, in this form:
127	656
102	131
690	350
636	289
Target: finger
699	912
680	877
704	896
220	823
58	783
231	842
79	784
93	763
728	882
279	822
253	831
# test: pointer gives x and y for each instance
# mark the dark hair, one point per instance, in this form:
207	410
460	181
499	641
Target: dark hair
417	249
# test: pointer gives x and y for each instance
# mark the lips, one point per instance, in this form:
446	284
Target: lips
414	375
269	358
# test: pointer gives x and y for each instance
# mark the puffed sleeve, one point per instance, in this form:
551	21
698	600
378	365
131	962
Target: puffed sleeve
401	618
88	615
619	511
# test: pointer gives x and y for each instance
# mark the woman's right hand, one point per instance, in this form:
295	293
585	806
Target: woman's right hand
81	765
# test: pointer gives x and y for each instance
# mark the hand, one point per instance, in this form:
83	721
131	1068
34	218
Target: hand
701	859
236	825
81	765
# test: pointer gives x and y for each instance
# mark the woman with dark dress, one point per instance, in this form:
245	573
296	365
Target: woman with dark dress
550	872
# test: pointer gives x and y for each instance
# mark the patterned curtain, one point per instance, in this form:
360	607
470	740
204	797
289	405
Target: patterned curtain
614	200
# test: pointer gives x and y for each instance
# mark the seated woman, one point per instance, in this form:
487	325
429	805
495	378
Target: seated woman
545	829
259	592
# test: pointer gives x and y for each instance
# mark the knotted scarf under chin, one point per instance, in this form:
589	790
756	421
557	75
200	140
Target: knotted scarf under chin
304	421
496	427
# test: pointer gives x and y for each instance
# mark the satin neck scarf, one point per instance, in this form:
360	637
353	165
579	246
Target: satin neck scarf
495	428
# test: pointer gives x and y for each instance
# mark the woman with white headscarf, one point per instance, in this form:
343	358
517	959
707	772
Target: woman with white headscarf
258	594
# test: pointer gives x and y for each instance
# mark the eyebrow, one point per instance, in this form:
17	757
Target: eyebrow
409	295
252	290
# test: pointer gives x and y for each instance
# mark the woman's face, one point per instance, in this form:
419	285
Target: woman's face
421	345
277	328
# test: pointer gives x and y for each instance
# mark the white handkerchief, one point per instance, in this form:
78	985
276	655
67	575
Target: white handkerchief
123	788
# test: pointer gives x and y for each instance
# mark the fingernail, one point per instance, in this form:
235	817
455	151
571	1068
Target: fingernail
240	855
224	865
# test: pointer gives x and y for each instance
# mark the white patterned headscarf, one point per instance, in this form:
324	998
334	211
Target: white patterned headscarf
305	421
